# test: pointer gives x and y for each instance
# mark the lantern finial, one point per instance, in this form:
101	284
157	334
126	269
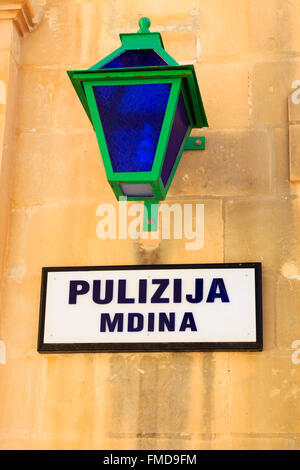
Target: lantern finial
144	24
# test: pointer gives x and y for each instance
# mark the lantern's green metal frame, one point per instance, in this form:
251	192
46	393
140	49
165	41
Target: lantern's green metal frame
134	41
182	79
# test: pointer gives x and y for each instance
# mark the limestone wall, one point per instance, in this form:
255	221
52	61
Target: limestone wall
247	57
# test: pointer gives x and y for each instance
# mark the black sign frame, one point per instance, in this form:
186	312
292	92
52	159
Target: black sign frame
43	347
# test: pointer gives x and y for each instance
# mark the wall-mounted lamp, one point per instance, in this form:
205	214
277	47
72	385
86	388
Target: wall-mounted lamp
142	105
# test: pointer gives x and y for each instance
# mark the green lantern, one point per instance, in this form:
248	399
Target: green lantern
142	105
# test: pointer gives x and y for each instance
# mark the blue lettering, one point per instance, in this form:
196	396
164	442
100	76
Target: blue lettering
151	321
188	322
135	322
165	321
217	284
198	292
122	299
77	288
177	291
143	291
156	297
117	322
109	284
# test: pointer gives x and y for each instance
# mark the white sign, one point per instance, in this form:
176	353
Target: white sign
164	307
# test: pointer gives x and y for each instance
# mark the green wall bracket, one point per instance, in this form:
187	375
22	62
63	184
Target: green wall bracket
150	218
194	143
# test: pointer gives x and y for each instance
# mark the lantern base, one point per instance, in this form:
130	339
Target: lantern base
150	219
194	143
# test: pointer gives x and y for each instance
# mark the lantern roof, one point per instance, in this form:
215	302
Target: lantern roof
141	56
143	40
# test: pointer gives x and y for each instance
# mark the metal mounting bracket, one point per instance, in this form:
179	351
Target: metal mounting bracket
194	143
150	218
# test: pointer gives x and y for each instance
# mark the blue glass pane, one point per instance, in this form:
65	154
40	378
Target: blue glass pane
178	134
132	117
136	58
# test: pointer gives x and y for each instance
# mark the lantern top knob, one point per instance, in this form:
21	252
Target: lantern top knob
144	24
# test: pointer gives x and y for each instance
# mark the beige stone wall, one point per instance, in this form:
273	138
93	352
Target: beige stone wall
247	56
